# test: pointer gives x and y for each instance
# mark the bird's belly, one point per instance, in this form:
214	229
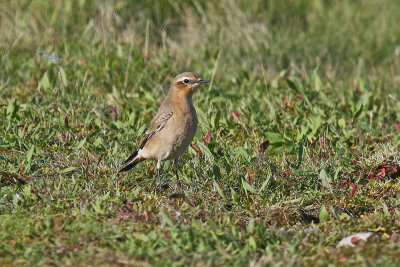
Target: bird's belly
181	141
180	144
173	141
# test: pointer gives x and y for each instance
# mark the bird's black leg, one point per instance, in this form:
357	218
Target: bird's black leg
159	180
178	182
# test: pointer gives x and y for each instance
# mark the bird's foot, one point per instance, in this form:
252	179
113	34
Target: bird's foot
177	195
160	186
179	185
179	192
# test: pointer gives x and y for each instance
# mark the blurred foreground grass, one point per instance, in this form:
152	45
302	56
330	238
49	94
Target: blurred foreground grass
319	80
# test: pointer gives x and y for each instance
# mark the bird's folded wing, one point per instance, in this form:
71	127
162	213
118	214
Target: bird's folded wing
156	125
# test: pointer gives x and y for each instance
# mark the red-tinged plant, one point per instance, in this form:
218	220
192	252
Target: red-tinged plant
166	236
146	217
353	191
248	176
207	138
60	137
123	213
236	114
286	174
383	173
86	161
321	143
115	112
355	240
66	121
263	146
195	147
397	126
129	207
191	202
379	174
151	171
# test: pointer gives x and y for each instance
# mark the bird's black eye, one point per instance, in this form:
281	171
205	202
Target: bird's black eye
186	81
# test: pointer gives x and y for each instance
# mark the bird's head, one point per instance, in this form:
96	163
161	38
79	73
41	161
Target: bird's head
186	83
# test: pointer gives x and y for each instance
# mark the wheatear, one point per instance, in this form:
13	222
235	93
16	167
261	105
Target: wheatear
172	129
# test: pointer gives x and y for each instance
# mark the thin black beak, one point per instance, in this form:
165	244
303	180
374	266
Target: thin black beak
203	81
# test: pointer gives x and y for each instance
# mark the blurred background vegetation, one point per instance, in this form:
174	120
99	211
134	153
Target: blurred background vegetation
344	39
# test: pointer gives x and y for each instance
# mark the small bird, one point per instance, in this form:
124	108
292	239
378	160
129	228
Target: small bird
173	127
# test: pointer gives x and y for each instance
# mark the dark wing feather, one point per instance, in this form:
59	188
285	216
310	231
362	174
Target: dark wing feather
156	125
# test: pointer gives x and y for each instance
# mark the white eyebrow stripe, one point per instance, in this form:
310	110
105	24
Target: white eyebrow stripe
191	79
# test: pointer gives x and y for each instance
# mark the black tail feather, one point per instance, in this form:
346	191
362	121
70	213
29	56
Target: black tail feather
131	157
131	162
129	166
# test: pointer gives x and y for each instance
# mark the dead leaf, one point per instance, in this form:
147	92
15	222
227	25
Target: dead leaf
354	240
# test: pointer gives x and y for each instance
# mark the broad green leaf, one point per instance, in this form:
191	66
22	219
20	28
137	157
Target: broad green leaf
252	243
303	132
98	142
242	152
273	138
248	187
63	77
358	111
325	178
44	82
219	190
205	150
106	196
81	144
12	108
120	52
97	207
29	154
323	214
265	183
342	123
115	149
142	237
386	210
316	123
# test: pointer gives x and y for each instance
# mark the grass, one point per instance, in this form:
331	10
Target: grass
316	79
